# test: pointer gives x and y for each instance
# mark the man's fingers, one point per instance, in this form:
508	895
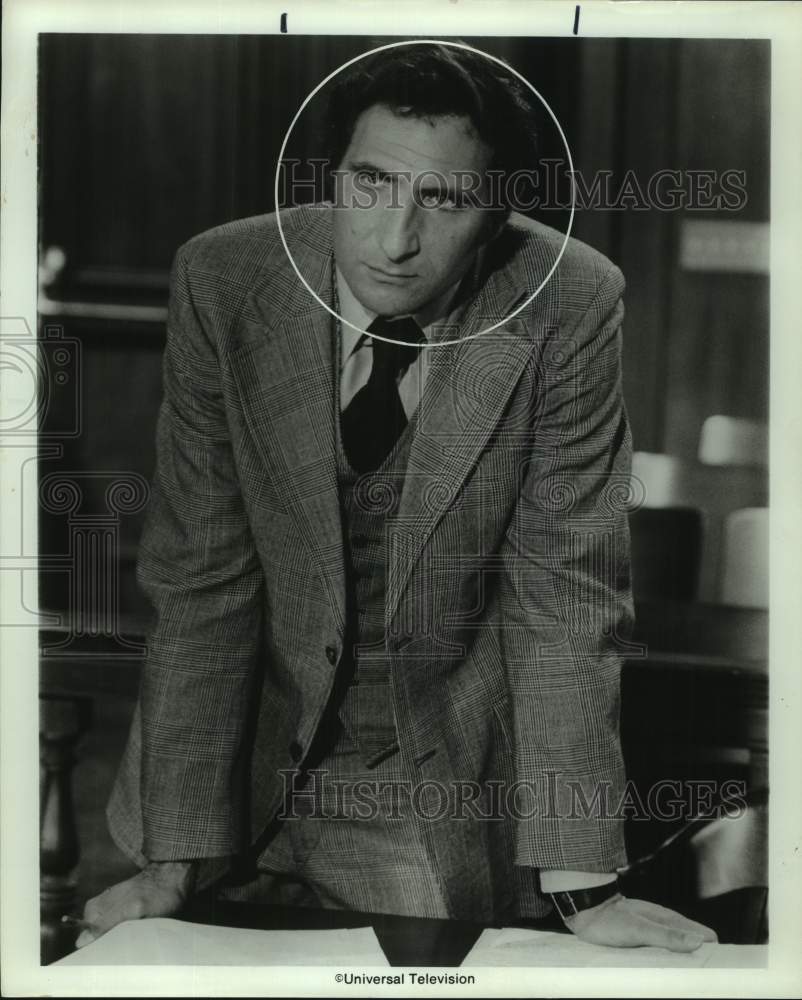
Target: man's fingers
102	915
105	911
661	936
84	938
670	918
622	926
143	895
634	923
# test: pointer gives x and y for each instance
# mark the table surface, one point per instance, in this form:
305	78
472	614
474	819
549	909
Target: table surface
405	941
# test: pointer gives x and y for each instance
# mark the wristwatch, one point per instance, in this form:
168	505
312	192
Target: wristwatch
575	900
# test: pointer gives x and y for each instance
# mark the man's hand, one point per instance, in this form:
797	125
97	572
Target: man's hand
159	890
631	923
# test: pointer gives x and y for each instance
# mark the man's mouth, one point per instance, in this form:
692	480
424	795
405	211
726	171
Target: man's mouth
390	277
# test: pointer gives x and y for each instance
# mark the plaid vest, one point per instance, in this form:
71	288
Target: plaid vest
369	501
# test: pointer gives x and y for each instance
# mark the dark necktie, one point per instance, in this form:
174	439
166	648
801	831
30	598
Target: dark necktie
374	419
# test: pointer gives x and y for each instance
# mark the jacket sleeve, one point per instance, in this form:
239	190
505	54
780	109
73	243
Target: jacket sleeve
199	568
566	601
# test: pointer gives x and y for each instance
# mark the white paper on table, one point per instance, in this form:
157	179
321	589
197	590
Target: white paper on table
512	946
162	941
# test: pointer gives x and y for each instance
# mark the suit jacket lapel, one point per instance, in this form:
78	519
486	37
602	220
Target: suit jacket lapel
469	385
285	377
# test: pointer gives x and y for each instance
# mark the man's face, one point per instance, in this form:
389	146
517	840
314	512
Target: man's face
402	236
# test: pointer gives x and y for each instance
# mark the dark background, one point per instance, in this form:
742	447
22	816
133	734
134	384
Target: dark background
147	140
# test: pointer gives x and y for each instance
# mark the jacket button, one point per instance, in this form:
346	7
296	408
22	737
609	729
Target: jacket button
331	654
296	751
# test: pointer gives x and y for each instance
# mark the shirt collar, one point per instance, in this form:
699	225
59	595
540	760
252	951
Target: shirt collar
352	311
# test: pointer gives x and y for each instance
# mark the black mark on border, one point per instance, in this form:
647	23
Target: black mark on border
576	20
284	24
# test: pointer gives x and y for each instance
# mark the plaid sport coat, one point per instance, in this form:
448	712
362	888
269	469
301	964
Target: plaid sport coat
507	594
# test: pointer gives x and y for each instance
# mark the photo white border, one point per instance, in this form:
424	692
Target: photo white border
19	867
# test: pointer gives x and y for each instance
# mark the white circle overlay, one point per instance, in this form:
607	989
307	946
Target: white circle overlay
538	95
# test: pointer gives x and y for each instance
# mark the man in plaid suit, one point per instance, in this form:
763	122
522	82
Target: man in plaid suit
387	543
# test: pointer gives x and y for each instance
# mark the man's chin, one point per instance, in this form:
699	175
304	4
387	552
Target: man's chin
390	301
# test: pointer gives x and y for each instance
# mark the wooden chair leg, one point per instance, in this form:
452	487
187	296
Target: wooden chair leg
63	720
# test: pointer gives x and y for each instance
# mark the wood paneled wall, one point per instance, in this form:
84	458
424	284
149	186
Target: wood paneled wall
147	140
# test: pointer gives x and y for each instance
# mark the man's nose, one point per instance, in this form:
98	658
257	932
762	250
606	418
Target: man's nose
399	237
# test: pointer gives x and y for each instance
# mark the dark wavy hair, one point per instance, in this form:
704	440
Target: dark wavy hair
428	80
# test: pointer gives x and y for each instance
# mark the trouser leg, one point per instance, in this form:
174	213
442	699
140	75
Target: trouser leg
349	839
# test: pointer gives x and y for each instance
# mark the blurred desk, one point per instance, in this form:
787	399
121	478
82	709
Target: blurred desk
694	712
370	942
411	941
703	683
704	632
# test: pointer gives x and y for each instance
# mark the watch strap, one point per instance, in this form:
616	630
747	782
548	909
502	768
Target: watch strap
574	901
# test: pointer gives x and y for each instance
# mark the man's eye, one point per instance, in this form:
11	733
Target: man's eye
372	177
435	199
